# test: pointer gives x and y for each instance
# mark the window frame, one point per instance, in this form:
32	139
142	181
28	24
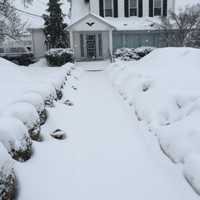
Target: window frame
161	14
129	9
104	9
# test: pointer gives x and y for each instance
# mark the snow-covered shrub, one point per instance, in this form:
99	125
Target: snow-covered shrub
58	83
126	54
143	51
36	100
47	92
7	176
14	136
27	114
58	57
182	137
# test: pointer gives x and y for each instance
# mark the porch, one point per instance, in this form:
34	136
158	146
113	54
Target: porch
91	38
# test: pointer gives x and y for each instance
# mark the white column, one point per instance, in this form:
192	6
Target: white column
110	41
71	39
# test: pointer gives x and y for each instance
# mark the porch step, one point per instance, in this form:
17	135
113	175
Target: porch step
94	65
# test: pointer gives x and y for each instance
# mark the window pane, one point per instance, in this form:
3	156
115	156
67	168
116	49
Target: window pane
133	12
17	50
108	12
133	3
108	4
157	12
1	50
157	3
108	8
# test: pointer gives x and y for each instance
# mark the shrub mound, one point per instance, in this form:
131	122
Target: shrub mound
59	56
36	100
27	114
47	92
128	54
7	176
14	136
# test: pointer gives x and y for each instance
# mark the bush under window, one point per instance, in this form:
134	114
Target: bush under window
59	56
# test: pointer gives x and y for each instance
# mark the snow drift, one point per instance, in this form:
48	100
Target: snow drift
163	91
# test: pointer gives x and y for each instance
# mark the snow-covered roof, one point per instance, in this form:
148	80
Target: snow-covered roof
134	23
124	24
103	20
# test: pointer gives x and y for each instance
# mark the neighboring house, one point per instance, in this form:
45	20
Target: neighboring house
101	26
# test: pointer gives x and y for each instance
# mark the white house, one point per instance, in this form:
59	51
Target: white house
99	27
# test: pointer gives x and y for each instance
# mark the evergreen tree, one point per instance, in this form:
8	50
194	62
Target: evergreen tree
54	26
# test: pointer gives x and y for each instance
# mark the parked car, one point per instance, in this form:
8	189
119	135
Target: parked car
18	55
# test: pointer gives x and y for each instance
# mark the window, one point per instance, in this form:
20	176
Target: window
157	7
133	7
1	50
108	8
17	50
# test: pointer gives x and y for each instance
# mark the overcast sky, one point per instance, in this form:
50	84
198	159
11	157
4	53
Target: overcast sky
182	3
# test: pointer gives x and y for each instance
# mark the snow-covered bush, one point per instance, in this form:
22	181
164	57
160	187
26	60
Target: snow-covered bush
14	136
128	54
59	57
143	51
36	100
7	176
47	92
27	114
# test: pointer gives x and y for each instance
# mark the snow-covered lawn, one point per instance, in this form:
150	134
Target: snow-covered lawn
163	92
106	155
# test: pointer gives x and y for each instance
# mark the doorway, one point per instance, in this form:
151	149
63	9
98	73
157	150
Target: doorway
91	46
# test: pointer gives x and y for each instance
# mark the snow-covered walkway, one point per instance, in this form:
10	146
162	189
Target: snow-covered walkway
107	155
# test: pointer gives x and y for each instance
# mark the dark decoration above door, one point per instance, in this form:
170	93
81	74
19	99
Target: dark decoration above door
90	23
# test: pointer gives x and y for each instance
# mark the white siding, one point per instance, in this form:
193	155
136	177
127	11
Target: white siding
121	8
145	8
79	9
39	47
94	5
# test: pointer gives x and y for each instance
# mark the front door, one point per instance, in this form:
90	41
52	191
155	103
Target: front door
91	46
